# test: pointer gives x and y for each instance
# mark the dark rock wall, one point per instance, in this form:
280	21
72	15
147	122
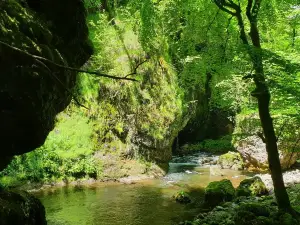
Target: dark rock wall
20	209
207	121
33	91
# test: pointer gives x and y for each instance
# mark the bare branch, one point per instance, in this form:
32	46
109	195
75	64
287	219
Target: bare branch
229	4
136	67
65	67
213	20
61	83
221	5
248	10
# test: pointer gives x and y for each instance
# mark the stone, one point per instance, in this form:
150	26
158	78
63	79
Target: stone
182	197
30	95
290	178
252	187
218	191
231	160
215	171
21	208
253	151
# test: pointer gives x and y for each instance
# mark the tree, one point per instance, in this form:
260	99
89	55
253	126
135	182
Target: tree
252	45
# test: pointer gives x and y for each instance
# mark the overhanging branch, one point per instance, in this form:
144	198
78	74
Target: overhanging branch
36	57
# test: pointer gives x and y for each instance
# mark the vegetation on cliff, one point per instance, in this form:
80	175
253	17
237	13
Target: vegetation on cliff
213	76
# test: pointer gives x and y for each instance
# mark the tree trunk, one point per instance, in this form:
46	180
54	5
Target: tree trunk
263	96
272	150
261	92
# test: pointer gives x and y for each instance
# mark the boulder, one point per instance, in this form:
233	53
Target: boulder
231	160
253	151
33	91
182	197
219	191
216	171
252	187
33	88
21	208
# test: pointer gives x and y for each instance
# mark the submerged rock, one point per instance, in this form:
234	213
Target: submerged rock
21	209
215	171
182	197
252	187
219	191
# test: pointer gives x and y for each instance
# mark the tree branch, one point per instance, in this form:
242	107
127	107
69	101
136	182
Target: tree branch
221	5
61	83
262	136
136	67
65	67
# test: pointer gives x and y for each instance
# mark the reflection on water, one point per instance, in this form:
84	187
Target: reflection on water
139	204
147	202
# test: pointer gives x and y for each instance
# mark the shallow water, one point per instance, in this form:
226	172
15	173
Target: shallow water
146	202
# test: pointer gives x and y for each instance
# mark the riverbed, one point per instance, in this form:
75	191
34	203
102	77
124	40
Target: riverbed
144	202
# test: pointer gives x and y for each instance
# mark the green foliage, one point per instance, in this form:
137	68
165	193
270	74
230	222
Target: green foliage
218	146
180	43
121	115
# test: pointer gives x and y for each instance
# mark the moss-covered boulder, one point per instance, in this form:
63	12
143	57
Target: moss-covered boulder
219	191
287	219
34	90
231	160
20	208
182	197
252	187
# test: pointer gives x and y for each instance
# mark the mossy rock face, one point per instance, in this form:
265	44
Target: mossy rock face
252	187
21	208
33	91
231	160
219	191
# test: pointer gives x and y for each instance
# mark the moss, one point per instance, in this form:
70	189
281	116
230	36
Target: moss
231	160
27	88
219	191
182	197
252	187
287	219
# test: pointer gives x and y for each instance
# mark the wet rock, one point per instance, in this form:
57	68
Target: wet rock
231	160
218	191
215	171
252	187
21	209
182	197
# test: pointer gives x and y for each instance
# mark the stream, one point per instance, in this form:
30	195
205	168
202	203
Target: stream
145	202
